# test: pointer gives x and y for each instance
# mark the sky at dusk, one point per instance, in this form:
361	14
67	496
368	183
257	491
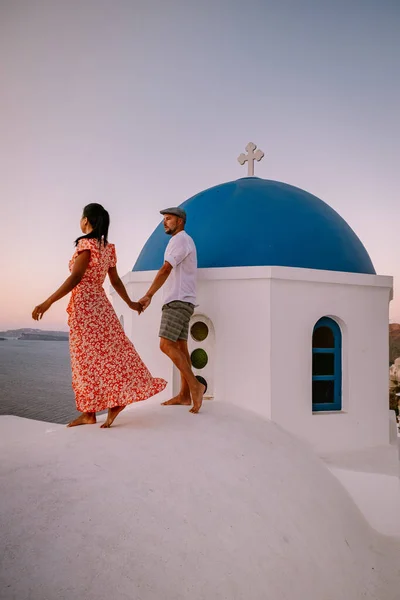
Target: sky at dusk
139	105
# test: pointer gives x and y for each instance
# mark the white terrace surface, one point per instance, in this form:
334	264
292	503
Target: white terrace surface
172	506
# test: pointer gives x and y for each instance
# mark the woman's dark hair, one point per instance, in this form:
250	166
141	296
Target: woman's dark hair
99	219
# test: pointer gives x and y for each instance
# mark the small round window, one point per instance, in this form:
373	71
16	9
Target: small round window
199	358
199	331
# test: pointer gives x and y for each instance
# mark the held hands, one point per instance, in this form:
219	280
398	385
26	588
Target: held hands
136	306
141	305
40	309
145	301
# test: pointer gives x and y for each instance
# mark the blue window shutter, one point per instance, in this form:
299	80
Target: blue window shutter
328	386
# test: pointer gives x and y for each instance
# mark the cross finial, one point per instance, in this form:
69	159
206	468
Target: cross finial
251	157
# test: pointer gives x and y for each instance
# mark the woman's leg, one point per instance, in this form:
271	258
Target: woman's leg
86	418
112	414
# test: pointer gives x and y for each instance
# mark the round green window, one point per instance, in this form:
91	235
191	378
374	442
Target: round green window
199	331
199	358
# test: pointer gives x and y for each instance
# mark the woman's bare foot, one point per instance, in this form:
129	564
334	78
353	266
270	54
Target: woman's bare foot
198	399
178	400
112	414
84	419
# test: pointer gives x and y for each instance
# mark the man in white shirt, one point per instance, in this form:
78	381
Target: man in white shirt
178	276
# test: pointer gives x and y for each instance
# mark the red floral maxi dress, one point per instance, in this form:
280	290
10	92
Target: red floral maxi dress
106	369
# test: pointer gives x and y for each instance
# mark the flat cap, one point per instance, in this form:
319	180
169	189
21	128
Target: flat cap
175	210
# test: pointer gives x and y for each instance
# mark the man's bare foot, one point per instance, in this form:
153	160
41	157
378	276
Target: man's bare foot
84	419
198	399
112	414
178	400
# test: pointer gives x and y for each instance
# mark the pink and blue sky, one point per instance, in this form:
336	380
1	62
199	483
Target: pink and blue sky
139	105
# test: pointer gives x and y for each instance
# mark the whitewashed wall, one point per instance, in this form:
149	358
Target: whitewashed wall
263	319
360	305
237	309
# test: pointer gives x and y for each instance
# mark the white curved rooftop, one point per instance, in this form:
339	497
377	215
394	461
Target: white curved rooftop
167	505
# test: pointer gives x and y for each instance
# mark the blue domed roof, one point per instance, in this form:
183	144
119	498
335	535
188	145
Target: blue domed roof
253	222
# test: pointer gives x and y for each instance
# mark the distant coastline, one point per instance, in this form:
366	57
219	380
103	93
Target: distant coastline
34	335
44	337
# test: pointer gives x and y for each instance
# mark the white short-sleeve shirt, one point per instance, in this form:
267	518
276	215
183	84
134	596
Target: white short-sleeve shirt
182	256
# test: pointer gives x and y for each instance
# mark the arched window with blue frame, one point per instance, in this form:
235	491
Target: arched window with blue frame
326	366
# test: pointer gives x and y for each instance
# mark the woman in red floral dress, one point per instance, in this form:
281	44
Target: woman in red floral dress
107	372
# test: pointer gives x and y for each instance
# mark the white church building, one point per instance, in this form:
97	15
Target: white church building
292	320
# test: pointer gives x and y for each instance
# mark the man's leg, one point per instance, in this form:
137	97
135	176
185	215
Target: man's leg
183	397
180	360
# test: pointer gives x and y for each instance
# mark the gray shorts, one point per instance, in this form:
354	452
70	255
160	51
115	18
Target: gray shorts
175	320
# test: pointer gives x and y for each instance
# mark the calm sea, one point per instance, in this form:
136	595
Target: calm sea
35	380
